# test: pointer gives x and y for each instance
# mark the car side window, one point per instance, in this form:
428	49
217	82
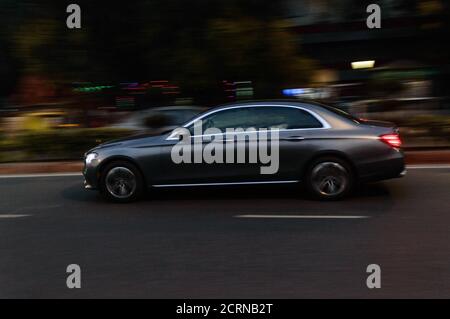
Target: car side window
290	118
232	118
269	117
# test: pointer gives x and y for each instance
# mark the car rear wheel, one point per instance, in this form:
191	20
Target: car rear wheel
329	178
121	182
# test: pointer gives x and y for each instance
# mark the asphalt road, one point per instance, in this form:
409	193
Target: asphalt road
192	244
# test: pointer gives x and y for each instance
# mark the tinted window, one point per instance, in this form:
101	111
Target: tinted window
261	117
288	118
340	112
178	117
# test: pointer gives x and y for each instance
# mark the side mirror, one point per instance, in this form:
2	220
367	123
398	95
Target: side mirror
178	134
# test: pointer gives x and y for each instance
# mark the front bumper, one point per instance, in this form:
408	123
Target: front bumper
90	177
87	185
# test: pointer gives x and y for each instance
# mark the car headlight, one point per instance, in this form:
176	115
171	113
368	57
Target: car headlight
90	157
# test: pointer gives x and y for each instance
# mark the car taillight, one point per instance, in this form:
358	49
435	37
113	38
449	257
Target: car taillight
392	140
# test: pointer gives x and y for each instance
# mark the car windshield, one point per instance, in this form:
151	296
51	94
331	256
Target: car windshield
179	117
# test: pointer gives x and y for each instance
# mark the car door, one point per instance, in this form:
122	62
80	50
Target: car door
297	138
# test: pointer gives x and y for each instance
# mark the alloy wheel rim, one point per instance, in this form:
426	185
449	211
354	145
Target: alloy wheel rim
329	178
121	182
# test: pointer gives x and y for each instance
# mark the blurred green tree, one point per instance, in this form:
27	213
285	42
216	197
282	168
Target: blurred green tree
197	44
264	52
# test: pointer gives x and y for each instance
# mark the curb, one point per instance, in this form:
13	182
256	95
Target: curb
41	167
427	157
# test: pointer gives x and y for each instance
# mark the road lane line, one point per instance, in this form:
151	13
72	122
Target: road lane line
304	216
40	175
4	216
428	166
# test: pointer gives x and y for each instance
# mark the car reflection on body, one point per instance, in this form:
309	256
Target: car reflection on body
322	148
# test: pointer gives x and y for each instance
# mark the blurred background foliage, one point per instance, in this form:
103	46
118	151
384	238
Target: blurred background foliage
197	43
55	144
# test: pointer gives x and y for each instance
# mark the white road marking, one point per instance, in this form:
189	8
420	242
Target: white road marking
40	175
13	215
304	216
428	166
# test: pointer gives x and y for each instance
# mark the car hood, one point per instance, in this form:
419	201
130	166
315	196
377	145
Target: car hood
133	140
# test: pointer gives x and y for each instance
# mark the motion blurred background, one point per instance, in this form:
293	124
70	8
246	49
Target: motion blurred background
149	65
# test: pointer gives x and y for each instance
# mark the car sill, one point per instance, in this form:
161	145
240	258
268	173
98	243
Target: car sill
225	184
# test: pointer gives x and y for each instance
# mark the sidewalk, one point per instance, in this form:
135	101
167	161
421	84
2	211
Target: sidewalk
41	167
427	157
412	158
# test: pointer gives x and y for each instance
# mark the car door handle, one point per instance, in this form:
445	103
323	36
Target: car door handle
293	138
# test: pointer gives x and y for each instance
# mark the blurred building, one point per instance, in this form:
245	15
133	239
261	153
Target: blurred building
412	38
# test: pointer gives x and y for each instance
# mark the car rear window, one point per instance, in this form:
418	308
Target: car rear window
340	112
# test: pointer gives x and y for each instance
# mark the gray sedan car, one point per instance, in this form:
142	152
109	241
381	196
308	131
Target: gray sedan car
322	148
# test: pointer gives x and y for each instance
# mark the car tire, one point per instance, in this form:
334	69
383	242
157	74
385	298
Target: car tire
329	178
121	182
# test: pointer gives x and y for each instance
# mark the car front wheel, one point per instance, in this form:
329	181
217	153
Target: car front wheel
329	178
121	182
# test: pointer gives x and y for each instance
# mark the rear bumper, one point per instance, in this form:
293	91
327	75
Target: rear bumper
381	169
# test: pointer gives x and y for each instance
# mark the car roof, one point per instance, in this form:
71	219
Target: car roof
174	108
324	111
310	103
